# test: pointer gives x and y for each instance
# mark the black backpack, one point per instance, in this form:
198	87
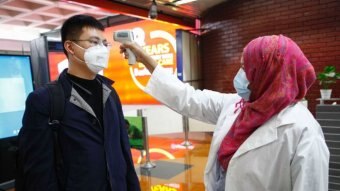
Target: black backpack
57	103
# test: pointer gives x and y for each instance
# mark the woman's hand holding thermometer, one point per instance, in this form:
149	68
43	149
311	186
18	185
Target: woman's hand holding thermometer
123	36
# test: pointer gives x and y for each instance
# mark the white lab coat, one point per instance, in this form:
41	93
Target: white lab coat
287	153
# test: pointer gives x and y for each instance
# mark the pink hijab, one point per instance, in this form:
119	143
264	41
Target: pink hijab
279	74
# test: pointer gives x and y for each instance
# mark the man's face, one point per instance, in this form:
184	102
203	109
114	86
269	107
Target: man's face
127	125
88	38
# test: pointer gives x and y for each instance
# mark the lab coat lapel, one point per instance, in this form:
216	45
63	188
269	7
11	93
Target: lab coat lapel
267	132
264	135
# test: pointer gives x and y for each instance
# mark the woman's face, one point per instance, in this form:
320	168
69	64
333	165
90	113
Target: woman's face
242	66
242	63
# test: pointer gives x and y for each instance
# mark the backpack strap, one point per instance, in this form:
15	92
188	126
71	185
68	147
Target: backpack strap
57	104
57	96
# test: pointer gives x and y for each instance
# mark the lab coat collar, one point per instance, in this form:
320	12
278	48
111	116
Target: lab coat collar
267	132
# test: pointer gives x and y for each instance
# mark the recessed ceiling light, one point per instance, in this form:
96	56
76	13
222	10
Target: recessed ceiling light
183	2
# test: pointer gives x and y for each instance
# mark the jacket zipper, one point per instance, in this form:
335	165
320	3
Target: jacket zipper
107	164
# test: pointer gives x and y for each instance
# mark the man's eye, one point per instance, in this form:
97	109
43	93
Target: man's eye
94	42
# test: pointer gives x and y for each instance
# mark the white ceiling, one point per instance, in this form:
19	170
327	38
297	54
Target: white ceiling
45	14
26	19
190	9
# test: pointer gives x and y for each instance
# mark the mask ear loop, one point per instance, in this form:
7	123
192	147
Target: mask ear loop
76	56
79	59
78	45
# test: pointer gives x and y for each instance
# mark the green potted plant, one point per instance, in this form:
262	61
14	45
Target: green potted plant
326	78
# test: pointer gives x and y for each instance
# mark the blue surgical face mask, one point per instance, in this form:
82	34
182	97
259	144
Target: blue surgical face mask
241	85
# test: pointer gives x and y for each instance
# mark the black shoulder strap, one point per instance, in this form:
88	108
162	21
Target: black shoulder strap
57	97
57	103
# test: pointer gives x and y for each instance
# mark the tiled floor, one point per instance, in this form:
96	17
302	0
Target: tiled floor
178	168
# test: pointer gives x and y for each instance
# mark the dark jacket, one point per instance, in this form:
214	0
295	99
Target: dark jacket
95	157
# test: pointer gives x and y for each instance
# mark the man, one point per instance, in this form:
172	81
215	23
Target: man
133	131
92	136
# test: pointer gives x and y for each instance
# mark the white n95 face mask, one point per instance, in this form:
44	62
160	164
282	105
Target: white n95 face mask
241	85
96	57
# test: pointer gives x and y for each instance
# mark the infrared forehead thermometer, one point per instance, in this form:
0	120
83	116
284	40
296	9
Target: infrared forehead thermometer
123	36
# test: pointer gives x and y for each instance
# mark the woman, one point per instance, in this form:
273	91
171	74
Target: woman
265	140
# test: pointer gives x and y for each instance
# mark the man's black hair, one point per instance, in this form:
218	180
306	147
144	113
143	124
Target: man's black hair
72	27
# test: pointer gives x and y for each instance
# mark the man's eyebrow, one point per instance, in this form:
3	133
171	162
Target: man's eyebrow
97	38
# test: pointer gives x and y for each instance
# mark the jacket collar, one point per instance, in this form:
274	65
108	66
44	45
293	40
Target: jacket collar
75	97
267	132
104	79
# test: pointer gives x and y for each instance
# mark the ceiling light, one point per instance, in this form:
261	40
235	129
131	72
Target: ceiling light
153	10
183	2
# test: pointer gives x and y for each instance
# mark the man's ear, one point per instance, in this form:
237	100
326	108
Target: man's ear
68	47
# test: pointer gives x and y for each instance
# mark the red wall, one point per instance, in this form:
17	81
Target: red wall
313	24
